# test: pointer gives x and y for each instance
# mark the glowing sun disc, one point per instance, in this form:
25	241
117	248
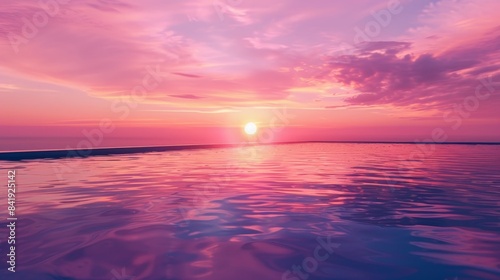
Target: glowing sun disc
250	128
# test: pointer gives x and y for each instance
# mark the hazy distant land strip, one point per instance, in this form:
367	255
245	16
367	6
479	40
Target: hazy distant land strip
57	154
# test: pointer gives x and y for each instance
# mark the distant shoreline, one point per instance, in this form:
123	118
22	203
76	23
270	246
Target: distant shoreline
57	154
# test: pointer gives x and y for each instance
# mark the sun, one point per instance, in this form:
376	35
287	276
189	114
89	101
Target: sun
250	128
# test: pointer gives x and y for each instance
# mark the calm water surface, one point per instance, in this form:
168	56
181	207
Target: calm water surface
298	211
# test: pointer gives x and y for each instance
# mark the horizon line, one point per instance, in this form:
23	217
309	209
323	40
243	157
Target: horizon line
83	153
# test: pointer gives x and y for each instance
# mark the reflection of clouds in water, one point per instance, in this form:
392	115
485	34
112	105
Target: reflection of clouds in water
265	216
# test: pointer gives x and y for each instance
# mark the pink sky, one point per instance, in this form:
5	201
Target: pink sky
197	71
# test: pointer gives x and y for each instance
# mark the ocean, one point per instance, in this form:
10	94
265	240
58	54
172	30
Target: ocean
292	211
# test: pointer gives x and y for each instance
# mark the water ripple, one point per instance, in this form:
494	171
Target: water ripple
258	212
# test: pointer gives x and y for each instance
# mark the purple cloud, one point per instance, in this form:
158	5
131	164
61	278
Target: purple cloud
387	73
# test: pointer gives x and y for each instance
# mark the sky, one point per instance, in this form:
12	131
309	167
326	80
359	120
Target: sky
123	72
